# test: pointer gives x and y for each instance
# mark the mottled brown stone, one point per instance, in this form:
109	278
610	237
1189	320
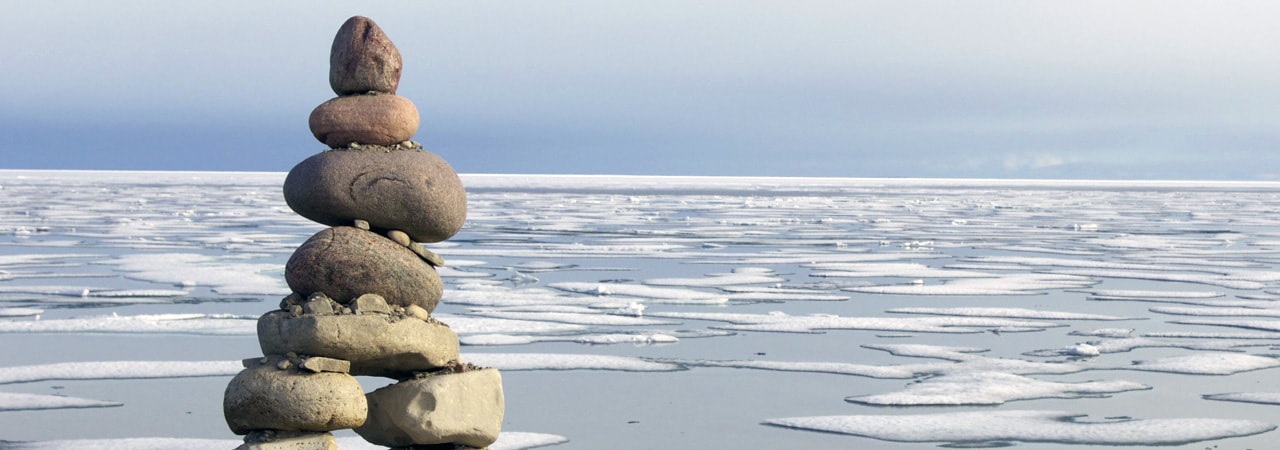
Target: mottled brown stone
414	191
381	119
363	59
346	262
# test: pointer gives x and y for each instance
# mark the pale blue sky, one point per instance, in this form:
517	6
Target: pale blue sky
1001	89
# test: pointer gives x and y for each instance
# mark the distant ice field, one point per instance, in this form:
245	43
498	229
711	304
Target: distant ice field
685	312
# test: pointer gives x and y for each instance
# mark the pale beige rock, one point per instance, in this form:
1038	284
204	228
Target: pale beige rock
288	440
399	237
370	304
414	191
375	344
464	408
380	119
264	397
323	364
427	255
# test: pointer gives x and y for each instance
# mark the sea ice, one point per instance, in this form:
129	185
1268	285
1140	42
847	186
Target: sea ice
995	427
990	388
1206	364
781	322
564	361
20	402
204	324
104	370
1012	313
1265	398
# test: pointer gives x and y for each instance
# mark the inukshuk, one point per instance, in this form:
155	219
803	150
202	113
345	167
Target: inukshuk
364	289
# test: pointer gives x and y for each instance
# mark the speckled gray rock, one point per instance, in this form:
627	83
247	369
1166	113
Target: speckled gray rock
363	59
464	408
381	119
413	191
265	397
346	262
382	345
288	440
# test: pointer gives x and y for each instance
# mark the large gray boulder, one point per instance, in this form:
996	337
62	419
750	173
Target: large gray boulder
346	262
363	59
411	190
464	408
382	345
274	395
377	119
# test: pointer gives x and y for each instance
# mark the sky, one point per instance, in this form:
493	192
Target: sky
1168	89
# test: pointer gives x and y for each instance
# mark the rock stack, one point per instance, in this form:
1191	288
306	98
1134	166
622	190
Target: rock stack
364	290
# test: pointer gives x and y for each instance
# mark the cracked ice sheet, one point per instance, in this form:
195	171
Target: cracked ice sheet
199	324
507	440
487	325
781	322
991	388
23	402
223	275
594	339
1217	312
597	318
883	270
1026	426
1005	284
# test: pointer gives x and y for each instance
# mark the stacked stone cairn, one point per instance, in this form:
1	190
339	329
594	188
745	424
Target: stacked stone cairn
364	289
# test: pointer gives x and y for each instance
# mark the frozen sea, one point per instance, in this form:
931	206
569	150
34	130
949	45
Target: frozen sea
685	312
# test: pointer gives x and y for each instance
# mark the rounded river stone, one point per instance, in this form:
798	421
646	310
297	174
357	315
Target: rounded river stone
413	191
347	262
363	59
379	119
264	397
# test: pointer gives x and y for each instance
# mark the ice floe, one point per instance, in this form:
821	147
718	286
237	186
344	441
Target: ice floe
564	361
653	294
103	370
1004	426
19	402
225	276
1264	398
990	388
596	339
1005	284
1012	313
1207	364
203	324
782	322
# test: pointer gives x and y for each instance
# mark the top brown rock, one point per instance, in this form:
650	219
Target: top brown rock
363	59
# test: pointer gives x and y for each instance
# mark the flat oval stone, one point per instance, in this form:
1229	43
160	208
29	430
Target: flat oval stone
347	262
264	397
363	59
380	119
413	191
375	344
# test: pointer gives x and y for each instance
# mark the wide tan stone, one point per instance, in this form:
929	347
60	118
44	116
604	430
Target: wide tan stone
363	59
288	440
265	397
412	190
392	346
347	262
464	408
379	119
